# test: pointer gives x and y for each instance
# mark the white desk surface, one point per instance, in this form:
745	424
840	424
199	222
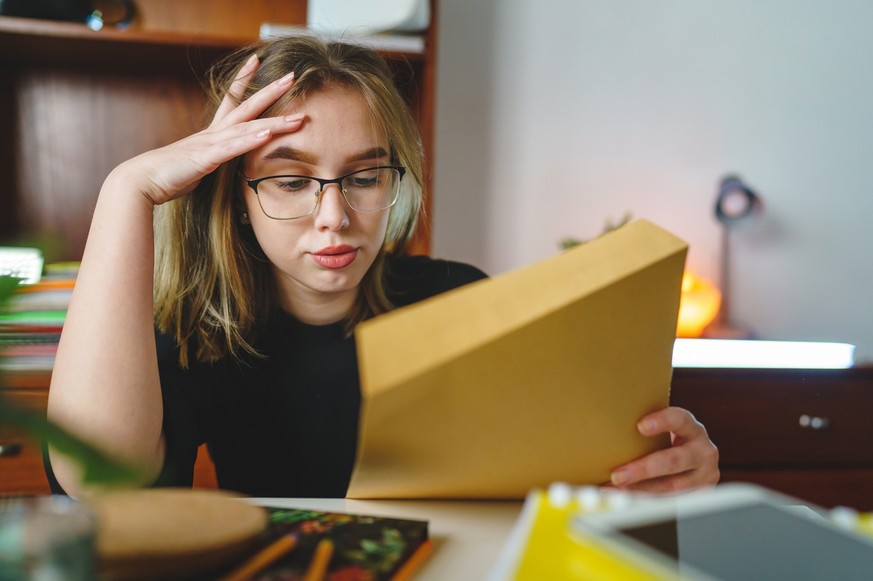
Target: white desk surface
467	535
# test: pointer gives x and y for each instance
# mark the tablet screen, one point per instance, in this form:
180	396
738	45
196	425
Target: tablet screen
759	542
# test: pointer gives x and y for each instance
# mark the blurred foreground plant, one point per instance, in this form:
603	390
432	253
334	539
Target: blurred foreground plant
570	242
97	467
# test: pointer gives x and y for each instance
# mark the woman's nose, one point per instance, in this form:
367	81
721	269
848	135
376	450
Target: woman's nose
332	213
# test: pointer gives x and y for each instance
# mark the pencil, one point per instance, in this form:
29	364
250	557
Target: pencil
414	561
320	560
260	560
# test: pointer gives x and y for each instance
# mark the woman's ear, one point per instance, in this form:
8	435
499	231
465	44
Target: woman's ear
240	209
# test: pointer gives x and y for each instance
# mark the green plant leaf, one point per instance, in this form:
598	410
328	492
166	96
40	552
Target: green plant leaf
97	467
8	284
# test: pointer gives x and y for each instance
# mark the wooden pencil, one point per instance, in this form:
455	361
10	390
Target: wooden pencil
320	560
414	561
262	559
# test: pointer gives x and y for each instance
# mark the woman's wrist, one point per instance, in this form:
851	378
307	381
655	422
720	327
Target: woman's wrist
125	181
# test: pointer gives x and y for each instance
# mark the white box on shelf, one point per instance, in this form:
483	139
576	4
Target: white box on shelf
363	17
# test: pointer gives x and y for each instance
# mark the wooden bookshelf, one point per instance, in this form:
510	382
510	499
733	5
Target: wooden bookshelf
75	103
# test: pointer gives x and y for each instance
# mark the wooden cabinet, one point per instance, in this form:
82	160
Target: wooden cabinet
807	433
74	103
21	469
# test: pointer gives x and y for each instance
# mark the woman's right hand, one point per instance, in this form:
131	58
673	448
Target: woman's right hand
174	170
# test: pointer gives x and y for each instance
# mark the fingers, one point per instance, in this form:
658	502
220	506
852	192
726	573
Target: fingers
175	170
676	421
691	462
218	146
236	129
671	469
249	109
237	88
667	484
242	138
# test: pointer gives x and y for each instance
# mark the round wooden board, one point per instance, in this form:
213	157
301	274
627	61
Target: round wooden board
169	533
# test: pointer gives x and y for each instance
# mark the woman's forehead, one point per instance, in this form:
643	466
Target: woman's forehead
337	128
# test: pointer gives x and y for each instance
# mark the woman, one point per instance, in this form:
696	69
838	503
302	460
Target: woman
266	237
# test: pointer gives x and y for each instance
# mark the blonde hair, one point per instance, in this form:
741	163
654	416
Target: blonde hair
213	283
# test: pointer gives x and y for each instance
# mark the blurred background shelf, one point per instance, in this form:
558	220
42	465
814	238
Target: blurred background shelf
76	102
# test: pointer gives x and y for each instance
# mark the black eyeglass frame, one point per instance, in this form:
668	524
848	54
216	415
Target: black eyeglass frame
323	183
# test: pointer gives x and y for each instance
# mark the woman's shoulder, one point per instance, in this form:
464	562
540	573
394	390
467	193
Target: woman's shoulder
414	278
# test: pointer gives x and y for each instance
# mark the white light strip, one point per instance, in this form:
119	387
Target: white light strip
762	354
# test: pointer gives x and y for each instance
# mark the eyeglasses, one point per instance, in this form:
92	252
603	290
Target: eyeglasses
291	197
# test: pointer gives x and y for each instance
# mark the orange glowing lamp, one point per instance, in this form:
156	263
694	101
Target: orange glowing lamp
698	305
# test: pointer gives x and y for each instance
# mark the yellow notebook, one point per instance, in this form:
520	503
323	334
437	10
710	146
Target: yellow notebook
541	546
732	531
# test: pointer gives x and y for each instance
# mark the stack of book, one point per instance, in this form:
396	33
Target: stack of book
30	327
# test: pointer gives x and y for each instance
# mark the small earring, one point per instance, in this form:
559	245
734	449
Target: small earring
345	222
244	218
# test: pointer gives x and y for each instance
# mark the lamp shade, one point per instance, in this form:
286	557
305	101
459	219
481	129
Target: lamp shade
698	305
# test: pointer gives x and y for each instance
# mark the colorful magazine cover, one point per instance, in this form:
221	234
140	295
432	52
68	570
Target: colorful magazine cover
366	548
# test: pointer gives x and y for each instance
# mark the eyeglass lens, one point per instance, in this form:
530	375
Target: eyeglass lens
369	190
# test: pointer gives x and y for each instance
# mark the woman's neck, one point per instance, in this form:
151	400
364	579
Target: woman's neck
315	308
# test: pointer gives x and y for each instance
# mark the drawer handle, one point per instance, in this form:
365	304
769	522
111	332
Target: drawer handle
814	422
10	450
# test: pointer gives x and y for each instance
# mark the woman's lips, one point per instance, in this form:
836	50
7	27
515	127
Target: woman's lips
334	257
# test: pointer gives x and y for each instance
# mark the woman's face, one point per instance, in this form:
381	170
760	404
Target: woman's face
319	260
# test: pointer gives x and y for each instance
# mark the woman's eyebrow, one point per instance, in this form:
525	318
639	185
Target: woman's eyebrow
372	153
293	154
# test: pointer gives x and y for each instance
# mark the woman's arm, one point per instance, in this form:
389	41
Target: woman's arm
105	384
105	379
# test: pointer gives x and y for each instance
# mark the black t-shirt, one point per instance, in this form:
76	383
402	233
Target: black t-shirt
286	424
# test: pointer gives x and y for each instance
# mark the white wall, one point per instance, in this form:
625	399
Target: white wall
555	116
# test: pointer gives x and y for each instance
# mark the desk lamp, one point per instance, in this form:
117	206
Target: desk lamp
736	204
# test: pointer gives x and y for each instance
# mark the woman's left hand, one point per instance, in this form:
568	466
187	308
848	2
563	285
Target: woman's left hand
691	461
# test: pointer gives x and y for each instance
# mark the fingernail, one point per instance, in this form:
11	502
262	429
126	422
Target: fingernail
294	118
263	133
286	80
251	62
619	477
646	427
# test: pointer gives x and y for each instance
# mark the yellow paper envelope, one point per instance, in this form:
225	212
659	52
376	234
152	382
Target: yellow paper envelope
535	376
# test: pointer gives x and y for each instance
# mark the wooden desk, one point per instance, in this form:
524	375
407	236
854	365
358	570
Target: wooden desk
467	535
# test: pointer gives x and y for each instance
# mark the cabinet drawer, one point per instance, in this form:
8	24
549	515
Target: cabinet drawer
21	469
782	418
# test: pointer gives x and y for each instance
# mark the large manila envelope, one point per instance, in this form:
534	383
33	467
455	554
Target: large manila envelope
535	376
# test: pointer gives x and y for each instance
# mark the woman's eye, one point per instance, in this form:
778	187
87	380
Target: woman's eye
293	184
364	181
